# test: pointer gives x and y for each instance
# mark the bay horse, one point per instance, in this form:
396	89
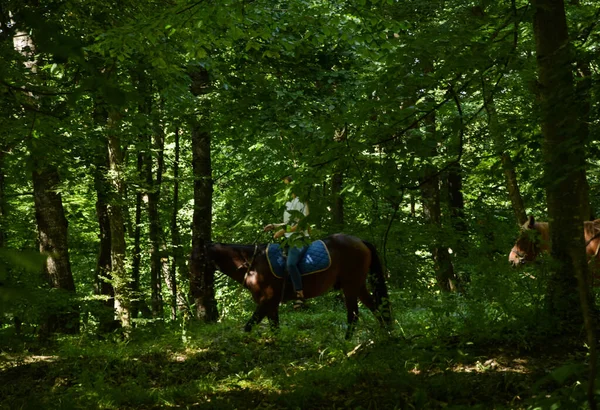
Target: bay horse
352	260
535	239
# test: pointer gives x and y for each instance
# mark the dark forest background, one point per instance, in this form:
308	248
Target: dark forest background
134	133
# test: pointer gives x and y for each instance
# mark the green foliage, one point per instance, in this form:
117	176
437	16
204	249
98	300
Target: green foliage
22	292
313	89
427	362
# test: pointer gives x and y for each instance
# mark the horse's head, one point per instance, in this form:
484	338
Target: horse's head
533	239
219	256
232	260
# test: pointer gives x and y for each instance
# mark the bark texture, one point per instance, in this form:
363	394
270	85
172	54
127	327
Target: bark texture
52	236
120	274
564	174
201	274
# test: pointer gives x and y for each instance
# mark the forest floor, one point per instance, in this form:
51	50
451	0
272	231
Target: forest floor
305	365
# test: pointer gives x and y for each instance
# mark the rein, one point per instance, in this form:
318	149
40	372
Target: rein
251	261
250	264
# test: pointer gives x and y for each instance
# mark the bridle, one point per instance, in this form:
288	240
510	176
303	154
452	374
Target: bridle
520	256
249	265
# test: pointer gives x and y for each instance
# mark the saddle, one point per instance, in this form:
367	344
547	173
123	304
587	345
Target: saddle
313	258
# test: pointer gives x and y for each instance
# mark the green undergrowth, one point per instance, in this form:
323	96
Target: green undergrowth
432	358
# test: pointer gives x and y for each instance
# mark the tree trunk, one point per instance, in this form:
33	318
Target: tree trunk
456	204
337	182
153	144
122	278
430	193
564	152
201	274
583	91
155	233
52	235
103	276
512	185
136	257
2	199
508	168
564	174
49	211
583	96
178	299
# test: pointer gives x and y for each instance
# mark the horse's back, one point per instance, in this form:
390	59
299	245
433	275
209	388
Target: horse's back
344	241
348	250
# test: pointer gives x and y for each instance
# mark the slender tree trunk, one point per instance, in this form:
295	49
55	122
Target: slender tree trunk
564	173
430	193
178	299
455	196
512	185
583	97
136	257
2	199
337	184
153	141
122	278
201	274
155	234
170	281
510	174
456	204
103	276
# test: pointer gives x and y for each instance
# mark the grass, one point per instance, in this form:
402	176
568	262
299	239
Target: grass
432	360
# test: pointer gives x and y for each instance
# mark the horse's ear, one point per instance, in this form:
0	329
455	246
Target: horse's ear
530	222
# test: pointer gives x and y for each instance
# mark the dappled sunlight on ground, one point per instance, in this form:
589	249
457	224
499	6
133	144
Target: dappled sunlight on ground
306	364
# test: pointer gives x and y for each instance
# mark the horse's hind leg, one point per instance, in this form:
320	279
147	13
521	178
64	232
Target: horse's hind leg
366	298
369	301
352	312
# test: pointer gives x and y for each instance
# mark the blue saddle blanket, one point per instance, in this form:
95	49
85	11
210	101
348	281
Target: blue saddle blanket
314	258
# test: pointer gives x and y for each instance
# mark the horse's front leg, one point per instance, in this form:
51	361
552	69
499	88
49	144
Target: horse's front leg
255	319
352	312
273	316
269	308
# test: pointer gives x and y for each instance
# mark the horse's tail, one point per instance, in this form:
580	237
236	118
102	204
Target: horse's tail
380	292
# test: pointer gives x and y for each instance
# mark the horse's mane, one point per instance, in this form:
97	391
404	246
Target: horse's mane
591	229
240	248
542	227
